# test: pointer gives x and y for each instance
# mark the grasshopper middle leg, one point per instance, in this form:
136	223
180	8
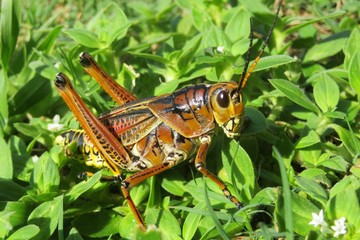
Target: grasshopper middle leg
200	166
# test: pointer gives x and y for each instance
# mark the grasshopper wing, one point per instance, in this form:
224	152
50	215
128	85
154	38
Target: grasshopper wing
186	110
130	122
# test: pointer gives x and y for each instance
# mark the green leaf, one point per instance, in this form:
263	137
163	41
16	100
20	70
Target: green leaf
6	169
310	155
257	123
240	47
150	57
109	24
153	234
197	191
4	105
310	139
313	189
22	161
269	62
355	170
166	87
344	184
324	50
264	196
36	131
25	233
351	141
239	168
286	197
336	163
285	147
10	19
165	221
81	187
301	211
219	214
44	66
345	203
292	92
13	214
140	192
188	53
326	93
352	47
191	223
354	73
48	42
174	183
34	91
128	226
335	114
97	224
45	177
201	19
10	191
212	214
214	36
83	37
46	217
334	14
74	235
239	26
317	175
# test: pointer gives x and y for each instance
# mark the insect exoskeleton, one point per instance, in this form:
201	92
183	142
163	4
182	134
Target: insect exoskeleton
149	136
228	107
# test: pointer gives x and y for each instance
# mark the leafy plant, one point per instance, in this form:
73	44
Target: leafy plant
298	155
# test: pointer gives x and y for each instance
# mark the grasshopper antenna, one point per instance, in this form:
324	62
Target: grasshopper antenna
246	74
248	55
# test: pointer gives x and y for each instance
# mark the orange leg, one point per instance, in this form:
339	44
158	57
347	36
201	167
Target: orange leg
110	148
136	179
200	166
117	92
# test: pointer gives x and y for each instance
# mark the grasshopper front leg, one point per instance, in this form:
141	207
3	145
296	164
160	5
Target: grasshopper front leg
110	148
200	166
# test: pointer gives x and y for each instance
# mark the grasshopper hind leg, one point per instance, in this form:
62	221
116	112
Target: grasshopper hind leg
116	91
114	154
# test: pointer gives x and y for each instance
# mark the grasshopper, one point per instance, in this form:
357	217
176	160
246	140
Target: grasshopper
149	136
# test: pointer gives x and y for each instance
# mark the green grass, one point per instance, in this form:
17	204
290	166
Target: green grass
299	154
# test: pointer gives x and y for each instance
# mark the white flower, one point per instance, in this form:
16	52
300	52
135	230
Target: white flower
318	220
55	126
220	49
35	158
339	227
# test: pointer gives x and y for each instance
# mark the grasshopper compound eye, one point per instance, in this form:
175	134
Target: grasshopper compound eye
223	99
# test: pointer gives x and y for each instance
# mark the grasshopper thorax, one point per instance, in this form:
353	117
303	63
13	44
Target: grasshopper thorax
227	107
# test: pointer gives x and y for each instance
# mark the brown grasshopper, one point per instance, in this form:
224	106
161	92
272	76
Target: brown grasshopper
149	136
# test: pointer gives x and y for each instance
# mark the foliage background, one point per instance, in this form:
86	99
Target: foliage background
299	154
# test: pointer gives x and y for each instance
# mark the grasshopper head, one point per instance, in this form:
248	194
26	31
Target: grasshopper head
226	99
228	108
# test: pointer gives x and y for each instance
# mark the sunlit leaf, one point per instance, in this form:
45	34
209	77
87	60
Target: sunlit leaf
293	92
